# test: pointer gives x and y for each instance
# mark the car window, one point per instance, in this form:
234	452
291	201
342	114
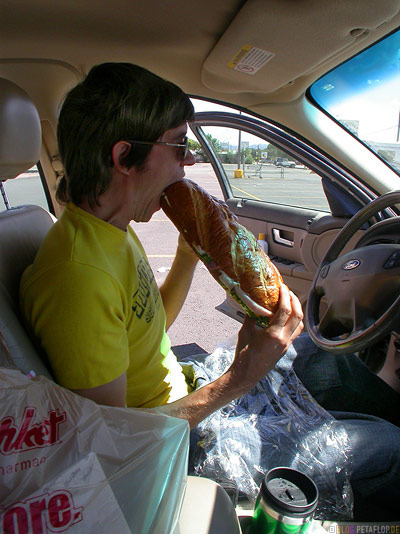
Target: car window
27	188
363	95
259	170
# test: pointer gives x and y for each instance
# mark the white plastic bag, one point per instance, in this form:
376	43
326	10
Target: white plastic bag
69	465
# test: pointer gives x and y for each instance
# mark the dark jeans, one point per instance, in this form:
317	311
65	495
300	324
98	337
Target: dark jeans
344	383
364	404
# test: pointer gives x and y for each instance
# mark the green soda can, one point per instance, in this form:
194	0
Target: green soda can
285	504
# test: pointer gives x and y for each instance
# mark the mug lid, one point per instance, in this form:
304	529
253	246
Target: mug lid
290	491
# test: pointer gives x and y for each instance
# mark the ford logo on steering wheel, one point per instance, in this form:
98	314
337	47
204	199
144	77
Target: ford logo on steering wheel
351	264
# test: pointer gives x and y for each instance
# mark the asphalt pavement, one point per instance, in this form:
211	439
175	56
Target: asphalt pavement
199	327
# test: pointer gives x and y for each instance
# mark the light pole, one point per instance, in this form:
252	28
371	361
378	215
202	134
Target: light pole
239	147
239	173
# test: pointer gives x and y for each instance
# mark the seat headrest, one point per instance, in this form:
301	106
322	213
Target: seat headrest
20	138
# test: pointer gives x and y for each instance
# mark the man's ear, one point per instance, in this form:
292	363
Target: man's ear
118	154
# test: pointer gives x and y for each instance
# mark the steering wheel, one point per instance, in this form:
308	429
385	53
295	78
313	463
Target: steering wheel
361	289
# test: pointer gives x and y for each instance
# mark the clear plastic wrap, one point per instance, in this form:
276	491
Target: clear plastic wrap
277	423
67	464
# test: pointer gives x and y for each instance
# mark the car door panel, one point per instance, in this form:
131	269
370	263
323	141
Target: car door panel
297	260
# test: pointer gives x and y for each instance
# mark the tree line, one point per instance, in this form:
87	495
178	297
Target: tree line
248	155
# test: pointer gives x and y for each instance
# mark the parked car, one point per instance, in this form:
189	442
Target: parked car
284	162
317	80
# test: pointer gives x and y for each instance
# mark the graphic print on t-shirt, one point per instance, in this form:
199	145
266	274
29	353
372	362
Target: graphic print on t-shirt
147	294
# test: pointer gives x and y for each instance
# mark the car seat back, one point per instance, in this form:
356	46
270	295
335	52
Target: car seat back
22	229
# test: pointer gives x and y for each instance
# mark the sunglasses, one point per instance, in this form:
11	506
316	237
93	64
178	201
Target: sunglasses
184	146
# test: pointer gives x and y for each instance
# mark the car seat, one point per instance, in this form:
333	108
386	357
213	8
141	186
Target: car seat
22	229
206	507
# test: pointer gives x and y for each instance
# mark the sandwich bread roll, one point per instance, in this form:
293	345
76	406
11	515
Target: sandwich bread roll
229	251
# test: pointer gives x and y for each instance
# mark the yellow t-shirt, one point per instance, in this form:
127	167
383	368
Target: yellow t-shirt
91	299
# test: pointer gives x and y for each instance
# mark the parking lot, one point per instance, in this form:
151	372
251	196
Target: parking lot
297	186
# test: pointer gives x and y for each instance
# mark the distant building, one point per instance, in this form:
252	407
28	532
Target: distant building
351	125
226	146
386	150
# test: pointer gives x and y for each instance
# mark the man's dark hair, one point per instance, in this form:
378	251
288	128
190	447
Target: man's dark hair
116	101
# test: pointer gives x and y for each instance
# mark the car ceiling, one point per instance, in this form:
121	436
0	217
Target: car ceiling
46	45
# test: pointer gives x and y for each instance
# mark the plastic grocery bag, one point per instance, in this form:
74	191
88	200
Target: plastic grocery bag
277	423
69	465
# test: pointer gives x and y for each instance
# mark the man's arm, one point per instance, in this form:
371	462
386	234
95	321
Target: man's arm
111	394
176	286
257	352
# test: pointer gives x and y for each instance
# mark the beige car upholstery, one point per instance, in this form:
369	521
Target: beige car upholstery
20	138
202	496
21	232
206	508
21	229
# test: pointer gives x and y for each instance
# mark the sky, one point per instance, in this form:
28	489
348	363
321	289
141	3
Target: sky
377	111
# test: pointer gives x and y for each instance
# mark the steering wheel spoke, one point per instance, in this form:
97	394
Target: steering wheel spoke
334	325
360	319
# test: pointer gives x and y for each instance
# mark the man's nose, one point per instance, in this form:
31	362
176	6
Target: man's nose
189	160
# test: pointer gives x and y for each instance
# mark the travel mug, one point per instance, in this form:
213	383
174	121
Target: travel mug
285	504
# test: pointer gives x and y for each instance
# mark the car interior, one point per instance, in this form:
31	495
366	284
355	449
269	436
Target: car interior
254	61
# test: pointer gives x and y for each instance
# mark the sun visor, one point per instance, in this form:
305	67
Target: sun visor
252	54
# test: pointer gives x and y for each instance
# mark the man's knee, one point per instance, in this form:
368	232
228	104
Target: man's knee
318	370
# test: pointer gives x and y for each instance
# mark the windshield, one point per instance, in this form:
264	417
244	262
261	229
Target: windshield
363	94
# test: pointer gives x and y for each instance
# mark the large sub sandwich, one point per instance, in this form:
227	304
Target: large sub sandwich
229	251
